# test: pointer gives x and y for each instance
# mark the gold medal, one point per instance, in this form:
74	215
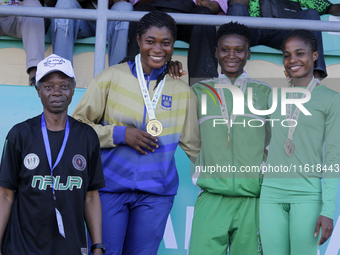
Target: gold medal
289	147
154	127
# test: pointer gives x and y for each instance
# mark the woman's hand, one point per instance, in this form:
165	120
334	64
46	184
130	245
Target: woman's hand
139	139
176	69
326	225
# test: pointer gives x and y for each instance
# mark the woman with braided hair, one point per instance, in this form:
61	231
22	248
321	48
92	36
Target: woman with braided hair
140	114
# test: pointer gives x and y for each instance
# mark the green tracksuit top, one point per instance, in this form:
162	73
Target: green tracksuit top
297	177
246	145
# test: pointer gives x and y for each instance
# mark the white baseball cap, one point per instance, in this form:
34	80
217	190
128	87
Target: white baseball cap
54	63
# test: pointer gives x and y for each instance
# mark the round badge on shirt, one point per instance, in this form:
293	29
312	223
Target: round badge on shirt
31	161
79	162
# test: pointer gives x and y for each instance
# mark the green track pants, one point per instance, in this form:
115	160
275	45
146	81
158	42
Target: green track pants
288	229
220	221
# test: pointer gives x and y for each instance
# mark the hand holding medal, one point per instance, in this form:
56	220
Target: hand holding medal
139	140
135	137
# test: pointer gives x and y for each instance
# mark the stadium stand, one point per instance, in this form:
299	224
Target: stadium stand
12	58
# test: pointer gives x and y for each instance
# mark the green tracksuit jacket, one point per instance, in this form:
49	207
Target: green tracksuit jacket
300	182
220	168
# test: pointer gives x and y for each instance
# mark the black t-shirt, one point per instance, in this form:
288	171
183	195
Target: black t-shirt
32	228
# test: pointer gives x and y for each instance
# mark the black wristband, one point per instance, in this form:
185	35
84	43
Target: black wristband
98	246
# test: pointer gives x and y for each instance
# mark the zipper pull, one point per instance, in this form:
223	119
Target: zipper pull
228	138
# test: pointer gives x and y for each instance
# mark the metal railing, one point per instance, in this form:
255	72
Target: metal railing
102	14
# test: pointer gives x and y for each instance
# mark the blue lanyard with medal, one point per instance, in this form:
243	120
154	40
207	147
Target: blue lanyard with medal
49	158
289	145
